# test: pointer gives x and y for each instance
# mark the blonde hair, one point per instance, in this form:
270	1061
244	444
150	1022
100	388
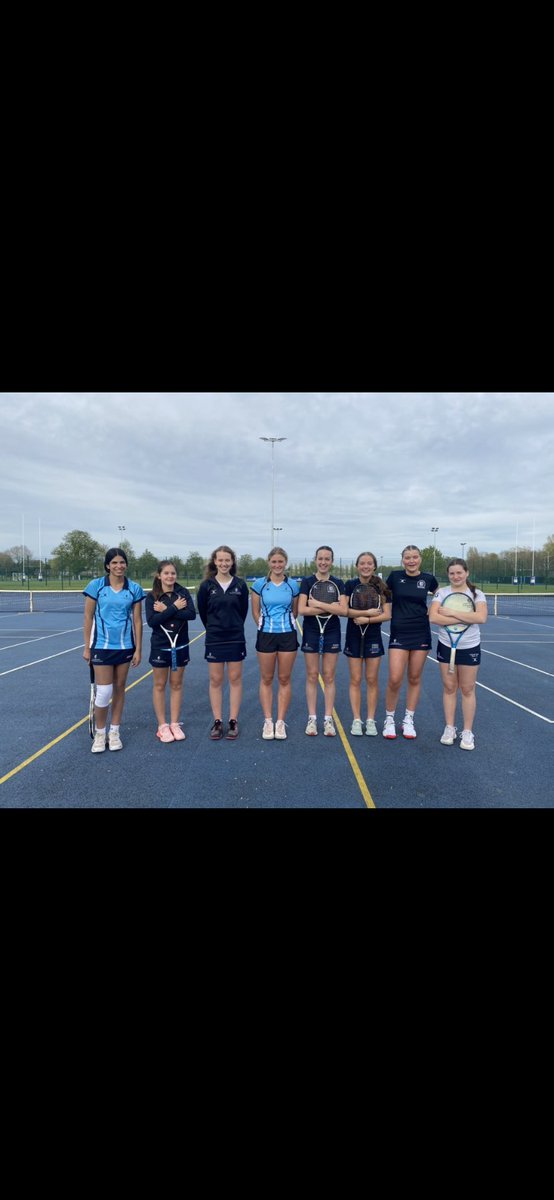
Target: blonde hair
272	553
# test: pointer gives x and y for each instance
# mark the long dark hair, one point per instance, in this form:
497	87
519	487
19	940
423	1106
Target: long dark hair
375	580
461	562
157	589
115	552
211	569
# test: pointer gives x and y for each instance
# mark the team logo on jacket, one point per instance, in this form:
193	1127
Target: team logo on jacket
421	583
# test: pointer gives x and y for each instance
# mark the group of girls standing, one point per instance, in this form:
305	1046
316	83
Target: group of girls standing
113	637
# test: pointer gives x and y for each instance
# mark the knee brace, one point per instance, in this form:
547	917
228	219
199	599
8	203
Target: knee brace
104	693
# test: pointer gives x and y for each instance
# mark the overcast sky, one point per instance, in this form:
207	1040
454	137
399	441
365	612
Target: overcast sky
358	470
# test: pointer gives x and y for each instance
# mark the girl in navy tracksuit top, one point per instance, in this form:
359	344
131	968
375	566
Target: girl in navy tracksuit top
223	606
169	607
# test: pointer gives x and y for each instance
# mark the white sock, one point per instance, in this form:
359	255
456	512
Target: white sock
114	728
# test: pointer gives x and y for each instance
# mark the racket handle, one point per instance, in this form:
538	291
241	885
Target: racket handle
452	663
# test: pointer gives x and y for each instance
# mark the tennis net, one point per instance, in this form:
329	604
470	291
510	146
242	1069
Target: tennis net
24	602
520	604
44	601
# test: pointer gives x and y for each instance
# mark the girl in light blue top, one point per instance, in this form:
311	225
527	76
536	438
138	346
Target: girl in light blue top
274	608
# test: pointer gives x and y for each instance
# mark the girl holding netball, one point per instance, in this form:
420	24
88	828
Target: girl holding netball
169	608
365	650
223	606
468	652
113	642
274	609
410	637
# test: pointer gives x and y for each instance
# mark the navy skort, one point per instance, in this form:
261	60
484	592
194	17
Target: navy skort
225	652
464	658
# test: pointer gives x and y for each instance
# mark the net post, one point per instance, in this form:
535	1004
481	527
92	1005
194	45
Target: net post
31	602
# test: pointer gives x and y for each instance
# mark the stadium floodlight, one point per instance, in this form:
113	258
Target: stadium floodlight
272	440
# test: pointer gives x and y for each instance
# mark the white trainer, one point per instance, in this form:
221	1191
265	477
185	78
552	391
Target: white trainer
357	728
311	727
99	743
389	729
329	727
408	728
370	727
468	741
280	731
449	736
268	732
114	740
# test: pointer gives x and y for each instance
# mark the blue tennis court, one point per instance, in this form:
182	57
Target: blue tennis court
45	760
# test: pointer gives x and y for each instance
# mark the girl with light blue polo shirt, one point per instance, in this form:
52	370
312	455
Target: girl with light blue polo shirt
113	642
274	608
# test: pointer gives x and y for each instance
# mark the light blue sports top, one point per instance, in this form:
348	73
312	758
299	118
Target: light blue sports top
113	617
276	604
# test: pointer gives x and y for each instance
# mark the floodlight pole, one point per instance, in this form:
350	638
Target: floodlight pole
434	531
272	440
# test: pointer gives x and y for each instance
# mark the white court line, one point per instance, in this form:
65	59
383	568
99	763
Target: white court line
14	645
41	660
516	662
501	695
523	706
527	622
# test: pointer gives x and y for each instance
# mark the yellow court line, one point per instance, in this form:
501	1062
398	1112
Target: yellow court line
368	798
351	756
72	729
60	738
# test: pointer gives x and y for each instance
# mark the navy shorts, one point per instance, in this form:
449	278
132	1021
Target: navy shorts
310	642
464	658
273	643
419	640
110	658
225	652
160	657
372	643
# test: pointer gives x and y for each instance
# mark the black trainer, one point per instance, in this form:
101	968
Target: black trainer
233	730
216	731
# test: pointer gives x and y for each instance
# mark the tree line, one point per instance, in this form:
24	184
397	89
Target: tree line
79	556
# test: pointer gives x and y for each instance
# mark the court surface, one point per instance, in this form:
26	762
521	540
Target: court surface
45	758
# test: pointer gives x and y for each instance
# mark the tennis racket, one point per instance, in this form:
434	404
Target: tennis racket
461	603
364	596
92	702
172	637
326	592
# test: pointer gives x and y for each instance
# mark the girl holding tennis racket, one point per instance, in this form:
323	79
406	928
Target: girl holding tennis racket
322	602
169	608
113	643
463	644
223	606
368	600
410	637
274	609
